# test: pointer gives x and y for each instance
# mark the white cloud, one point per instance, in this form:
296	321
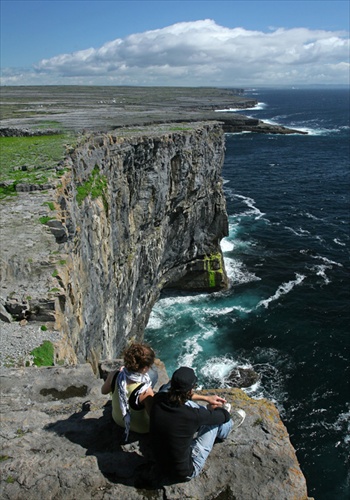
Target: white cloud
202	53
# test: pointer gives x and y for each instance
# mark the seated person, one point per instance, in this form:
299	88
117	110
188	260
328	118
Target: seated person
131	388
175	419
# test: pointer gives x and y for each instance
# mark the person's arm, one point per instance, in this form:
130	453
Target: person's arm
107	386
146	398
213	400
210	416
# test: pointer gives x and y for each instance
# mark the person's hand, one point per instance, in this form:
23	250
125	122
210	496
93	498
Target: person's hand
215	402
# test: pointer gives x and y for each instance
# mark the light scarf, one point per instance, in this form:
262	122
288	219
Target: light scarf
123	378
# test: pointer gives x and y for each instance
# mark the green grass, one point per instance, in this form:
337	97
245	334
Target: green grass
40	154
8	191
45	219
44	354
95	186
50	204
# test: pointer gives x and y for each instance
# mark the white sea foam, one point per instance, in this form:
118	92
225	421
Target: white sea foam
207	330
192	348
327	261
155	321
282	290
321	271
226	245
338	242
258	107
176	300
219	368
298	232
250	202
239	133
319	131
237	273
310	216
227	310
343	424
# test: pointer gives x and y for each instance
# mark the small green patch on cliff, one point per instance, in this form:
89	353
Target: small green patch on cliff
94	186
213	265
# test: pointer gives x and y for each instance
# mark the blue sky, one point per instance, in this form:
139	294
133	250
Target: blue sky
165	42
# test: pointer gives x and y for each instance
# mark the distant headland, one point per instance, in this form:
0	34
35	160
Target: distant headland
91	108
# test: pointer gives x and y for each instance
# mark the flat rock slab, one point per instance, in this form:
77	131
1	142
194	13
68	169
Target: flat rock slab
59	441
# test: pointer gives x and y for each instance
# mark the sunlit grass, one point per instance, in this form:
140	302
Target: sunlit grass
31	159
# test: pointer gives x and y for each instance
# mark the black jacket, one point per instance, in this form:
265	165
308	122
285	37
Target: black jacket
172	428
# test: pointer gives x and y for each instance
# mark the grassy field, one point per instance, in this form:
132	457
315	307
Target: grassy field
31	159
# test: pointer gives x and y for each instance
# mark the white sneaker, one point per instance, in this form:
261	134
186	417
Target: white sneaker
227	407
238	417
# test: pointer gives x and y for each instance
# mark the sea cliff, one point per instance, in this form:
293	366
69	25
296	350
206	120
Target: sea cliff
141	213
137	210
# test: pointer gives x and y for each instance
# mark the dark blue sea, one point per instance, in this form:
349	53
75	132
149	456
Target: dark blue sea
287	312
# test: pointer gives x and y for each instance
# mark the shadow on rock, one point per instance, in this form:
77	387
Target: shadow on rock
101	437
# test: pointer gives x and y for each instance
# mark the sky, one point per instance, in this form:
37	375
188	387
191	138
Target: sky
175	43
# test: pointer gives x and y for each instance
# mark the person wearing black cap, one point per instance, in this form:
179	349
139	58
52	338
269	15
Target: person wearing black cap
175	419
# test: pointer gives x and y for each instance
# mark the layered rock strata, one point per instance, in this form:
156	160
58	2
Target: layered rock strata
141	212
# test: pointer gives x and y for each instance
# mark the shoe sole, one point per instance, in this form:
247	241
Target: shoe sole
242	415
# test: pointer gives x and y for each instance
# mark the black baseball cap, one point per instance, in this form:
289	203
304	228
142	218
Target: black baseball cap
183	379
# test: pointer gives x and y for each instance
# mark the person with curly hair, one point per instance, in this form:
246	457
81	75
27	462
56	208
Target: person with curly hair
132	389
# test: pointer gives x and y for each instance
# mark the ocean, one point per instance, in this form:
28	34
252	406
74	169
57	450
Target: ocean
286	313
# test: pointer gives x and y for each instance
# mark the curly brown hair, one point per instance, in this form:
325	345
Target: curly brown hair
138	356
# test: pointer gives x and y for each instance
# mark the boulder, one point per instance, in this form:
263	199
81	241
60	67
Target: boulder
243	377
4	314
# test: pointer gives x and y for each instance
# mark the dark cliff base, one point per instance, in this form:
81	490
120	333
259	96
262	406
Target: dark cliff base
105	108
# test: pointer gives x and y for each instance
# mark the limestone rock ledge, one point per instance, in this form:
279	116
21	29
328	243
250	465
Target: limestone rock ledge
58	441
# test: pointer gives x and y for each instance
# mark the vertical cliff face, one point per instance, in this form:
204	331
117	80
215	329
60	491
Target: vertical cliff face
143	211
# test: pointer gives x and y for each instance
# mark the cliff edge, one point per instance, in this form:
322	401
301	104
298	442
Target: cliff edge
59	442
